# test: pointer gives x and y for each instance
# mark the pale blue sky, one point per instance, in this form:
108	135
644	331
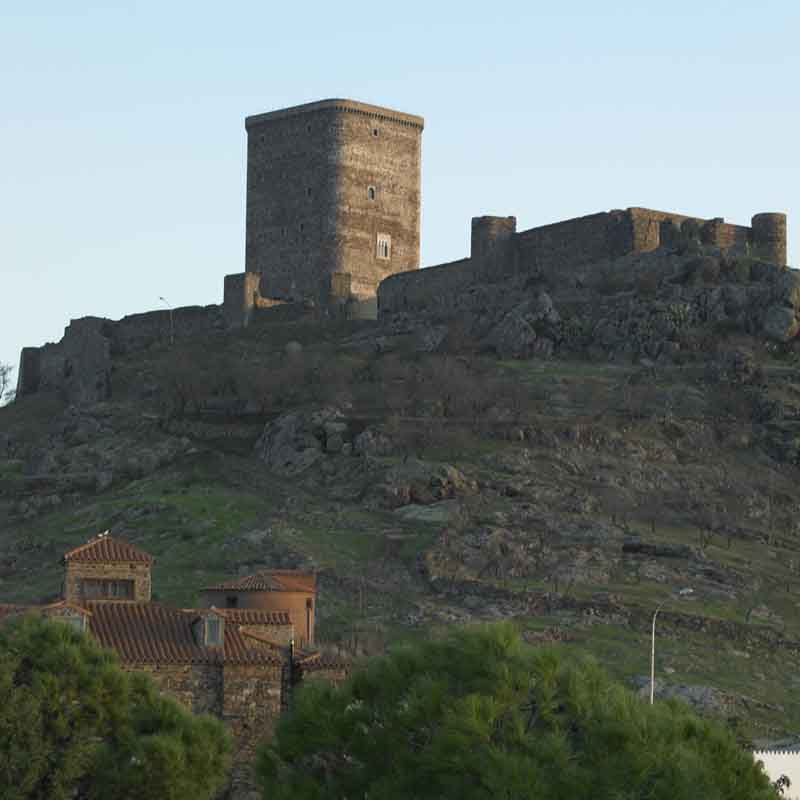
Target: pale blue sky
122	145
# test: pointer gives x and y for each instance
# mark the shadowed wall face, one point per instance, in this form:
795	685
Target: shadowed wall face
332	187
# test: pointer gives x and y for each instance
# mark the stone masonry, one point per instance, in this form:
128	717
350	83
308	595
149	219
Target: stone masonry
332	187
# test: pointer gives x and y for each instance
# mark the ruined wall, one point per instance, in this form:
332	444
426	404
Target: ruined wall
323	180
79	366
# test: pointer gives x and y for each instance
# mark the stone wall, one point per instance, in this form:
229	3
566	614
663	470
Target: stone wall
79	366
77	571
553	251
323	180
197	687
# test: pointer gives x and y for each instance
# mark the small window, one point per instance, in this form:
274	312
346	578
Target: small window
213	631
384	246
308	129
375	132
371	193
308	192
232	601
283	232
302	227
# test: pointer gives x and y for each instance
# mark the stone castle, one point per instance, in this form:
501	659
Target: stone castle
333	225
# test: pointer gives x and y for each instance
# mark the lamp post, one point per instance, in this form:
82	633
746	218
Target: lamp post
171	322
682	593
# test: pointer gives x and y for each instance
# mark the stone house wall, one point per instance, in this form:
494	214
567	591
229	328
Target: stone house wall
77	571
294	603
197	687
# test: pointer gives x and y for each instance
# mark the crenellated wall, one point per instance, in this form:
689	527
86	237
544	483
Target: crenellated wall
552	251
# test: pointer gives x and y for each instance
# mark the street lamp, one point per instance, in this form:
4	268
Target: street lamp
682	593
171	323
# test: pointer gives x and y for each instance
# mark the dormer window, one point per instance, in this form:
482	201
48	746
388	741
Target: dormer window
209	629
213	631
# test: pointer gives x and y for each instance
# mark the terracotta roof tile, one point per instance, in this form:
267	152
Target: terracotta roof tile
104	549
149	633
270	580
255	616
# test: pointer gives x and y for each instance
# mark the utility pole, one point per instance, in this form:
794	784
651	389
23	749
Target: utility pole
171	321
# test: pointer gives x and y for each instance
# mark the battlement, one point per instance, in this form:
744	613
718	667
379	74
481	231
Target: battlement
552	251
340	105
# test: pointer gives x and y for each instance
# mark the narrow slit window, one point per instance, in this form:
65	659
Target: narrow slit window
371	193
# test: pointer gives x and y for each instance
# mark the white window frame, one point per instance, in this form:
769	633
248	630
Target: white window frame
383	247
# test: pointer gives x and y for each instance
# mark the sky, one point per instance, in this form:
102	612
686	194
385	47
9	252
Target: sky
122	142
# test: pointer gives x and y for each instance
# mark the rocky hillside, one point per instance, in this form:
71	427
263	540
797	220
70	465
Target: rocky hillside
566	456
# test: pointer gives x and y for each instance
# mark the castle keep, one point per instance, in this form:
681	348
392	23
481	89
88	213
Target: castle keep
333	228
333	199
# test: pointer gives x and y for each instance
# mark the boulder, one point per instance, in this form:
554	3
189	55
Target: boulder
512	337
371	442
780	323
422	483
287	445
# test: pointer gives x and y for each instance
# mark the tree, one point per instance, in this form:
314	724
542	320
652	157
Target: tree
6	392
481	715
74	725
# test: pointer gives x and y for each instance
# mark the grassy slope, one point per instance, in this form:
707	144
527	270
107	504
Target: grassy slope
216	512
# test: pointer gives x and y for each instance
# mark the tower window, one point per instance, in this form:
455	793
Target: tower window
371	193
384	246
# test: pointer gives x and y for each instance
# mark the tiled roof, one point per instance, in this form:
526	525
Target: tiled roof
149	633
104	549
255	616
270	580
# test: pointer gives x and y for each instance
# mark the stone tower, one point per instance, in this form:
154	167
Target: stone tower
333	199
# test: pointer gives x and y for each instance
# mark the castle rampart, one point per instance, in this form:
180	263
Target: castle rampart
551	251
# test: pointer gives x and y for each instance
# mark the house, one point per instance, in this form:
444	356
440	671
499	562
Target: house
237	660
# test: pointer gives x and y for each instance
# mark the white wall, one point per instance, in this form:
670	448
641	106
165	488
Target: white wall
782	762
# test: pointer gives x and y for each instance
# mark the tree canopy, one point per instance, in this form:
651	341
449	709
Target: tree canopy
481	715
74	725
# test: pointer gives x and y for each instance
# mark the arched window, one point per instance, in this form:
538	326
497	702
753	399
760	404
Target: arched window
372	193
384	251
